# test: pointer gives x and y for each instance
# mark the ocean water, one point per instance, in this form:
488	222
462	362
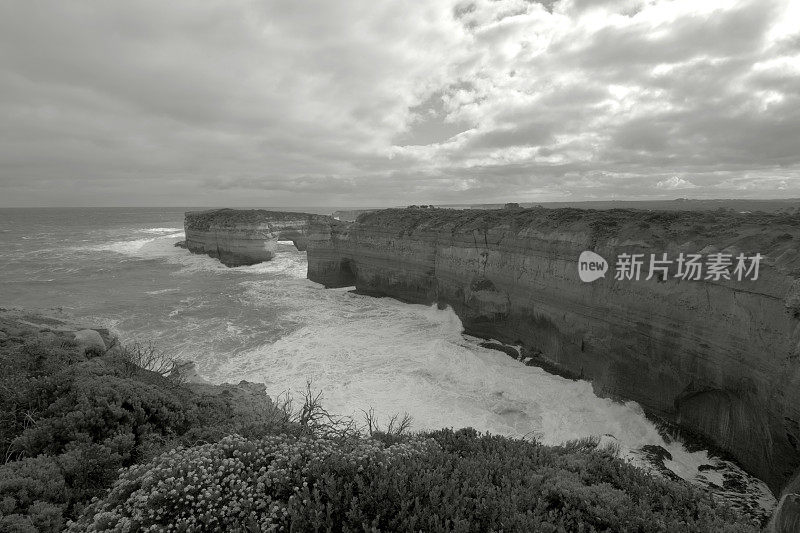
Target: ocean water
119	268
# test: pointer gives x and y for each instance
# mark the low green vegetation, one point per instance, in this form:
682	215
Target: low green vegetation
440	481
204	220
754	232
93	442
70	419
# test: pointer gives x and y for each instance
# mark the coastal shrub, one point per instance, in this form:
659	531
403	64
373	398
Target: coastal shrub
73	429
441	481
28	362
70	419
33	492
77	426
233	484
89	408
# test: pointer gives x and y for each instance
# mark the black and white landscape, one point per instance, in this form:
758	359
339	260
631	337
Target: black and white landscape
474	265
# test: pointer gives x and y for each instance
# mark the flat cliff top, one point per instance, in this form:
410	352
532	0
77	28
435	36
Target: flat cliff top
776	235
203	220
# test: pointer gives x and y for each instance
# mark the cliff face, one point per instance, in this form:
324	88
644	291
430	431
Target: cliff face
720	358
349	215
245	237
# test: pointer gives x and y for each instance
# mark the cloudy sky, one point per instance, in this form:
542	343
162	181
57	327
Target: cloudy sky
372	102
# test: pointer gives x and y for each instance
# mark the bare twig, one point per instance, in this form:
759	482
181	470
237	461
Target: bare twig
147	355
397	425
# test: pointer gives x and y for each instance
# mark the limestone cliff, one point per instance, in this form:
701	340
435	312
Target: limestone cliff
349	215
245	237
720	358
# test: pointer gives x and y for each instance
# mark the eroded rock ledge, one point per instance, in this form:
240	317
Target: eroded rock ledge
245	237
719	358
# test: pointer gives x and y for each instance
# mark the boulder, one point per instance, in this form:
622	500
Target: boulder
89	338
186	371
246	399
115	351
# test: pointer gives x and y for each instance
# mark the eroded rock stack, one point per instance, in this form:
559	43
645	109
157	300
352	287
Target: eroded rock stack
245	237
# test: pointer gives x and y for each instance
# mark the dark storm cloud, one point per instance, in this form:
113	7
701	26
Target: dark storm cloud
364	102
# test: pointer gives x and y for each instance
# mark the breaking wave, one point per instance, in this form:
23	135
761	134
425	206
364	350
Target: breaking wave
268	323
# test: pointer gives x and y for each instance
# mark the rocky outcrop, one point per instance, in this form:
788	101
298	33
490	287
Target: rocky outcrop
719	358
246	400
245	237
90	339
54	325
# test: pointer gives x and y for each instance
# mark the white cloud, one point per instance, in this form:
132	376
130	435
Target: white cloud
366	101
675	183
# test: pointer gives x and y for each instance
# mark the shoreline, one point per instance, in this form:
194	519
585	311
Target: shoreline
737	488
55	319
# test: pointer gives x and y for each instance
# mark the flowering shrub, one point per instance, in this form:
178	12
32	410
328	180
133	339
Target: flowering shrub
450	481
70	419
235	483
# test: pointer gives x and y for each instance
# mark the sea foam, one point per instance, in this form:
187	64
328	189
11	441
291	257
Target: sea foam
364	352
